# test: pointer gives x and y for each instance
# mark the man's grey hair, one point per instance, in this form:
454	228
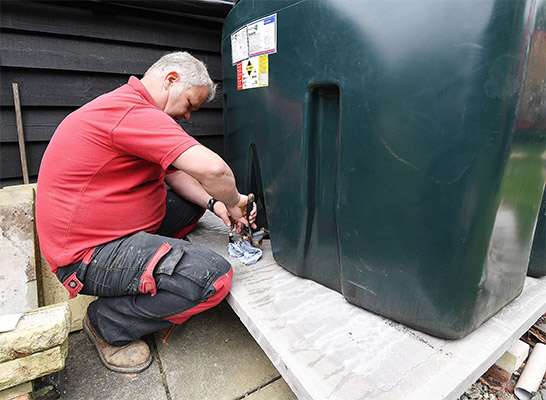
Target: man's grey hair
192	71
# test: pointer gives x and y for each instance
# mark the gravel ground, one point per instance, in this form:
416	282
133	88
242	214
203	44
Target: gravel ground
480	391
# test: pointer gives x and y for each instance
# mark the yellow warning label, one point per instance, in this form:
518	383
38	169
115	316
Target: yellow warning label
253	72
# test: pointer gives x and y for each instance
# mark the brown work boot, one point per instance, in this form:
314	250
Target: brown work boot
132	358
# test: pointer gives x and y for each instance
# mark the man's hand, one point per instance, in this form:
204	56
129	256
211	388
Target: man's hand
237	213
221	212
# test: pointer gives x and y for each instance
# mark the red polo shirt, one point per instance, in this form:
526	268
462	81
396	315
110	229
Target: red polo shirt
102	175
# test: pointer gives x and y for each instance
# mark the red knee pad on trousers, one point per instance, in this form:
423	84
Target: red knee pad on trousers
222	286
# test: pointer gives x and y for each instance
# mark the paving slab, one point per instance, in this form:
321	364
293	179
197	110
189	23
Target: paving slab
212	356
87	379
277	390
327	348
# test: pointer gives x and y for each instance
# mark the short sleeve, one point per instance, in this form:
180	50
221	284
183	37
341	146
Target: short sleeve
149	133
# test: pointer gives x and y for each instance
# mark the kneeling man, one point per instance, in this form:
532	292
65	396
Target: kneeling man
119	184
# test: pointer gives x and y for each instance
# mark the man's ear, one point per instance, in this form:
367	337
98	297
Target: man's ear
171	78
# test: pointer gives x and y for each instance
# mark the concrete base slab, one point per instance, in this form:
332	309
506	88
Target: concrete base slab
87	379
326	348
212	356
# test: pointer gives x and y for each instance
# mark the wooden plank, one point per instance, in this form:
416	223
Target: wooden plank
206	122
65	88
215	143
15	181
28	50
145	28
58	88
41	122
150	10
206	8
10	165
20	131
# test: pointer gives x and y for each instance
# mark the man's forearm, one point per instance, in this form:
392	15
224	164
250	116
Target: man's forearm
222	187
211	172
198	193
188	187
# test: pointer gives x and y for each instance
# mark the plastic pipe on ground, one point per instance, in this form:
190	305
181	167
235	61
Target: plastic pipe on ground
532	374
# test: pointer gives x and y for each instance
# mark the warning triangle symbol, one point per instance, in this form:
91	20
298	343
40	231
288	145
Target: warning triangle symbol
249	68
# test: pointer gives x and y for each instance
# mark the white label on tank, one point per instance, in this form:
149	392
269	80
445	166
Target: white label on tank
239	45
262	36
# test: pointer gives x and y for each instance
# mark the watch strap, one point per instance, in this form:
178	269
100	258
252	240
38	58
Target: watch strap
210	205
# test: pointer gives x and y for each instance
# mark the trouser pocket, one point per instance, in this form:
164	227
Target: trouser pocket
193	277
126	266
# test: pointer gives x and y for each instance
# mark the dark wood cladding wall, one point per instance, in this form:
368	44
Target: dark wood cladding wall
64	54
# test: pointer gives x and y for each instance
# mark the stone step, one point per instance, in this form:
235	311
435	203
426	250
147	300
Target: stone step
36	331
21	187
25	369
50	290
16	392
18	288
53	292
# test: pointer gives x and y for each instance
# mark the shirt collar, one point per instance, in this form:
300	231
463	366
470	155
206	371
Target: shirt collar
137	85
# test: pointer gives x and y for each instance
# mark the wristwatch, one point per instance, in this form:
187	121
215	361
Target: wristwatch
211	203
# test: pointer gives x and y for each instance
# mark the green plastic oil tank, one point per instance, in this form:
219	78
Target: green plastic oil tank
537	263
533	117
386	144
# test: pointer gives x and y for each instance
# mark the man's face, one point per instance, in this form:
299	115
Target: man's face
181	103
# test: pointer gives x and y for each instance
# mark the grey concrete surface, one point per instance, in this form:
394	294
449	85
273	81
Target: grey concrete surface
87	379
277	390
326	348
213	356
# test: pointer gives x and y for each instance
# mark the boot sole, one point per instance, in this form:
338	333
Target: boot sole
92	336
